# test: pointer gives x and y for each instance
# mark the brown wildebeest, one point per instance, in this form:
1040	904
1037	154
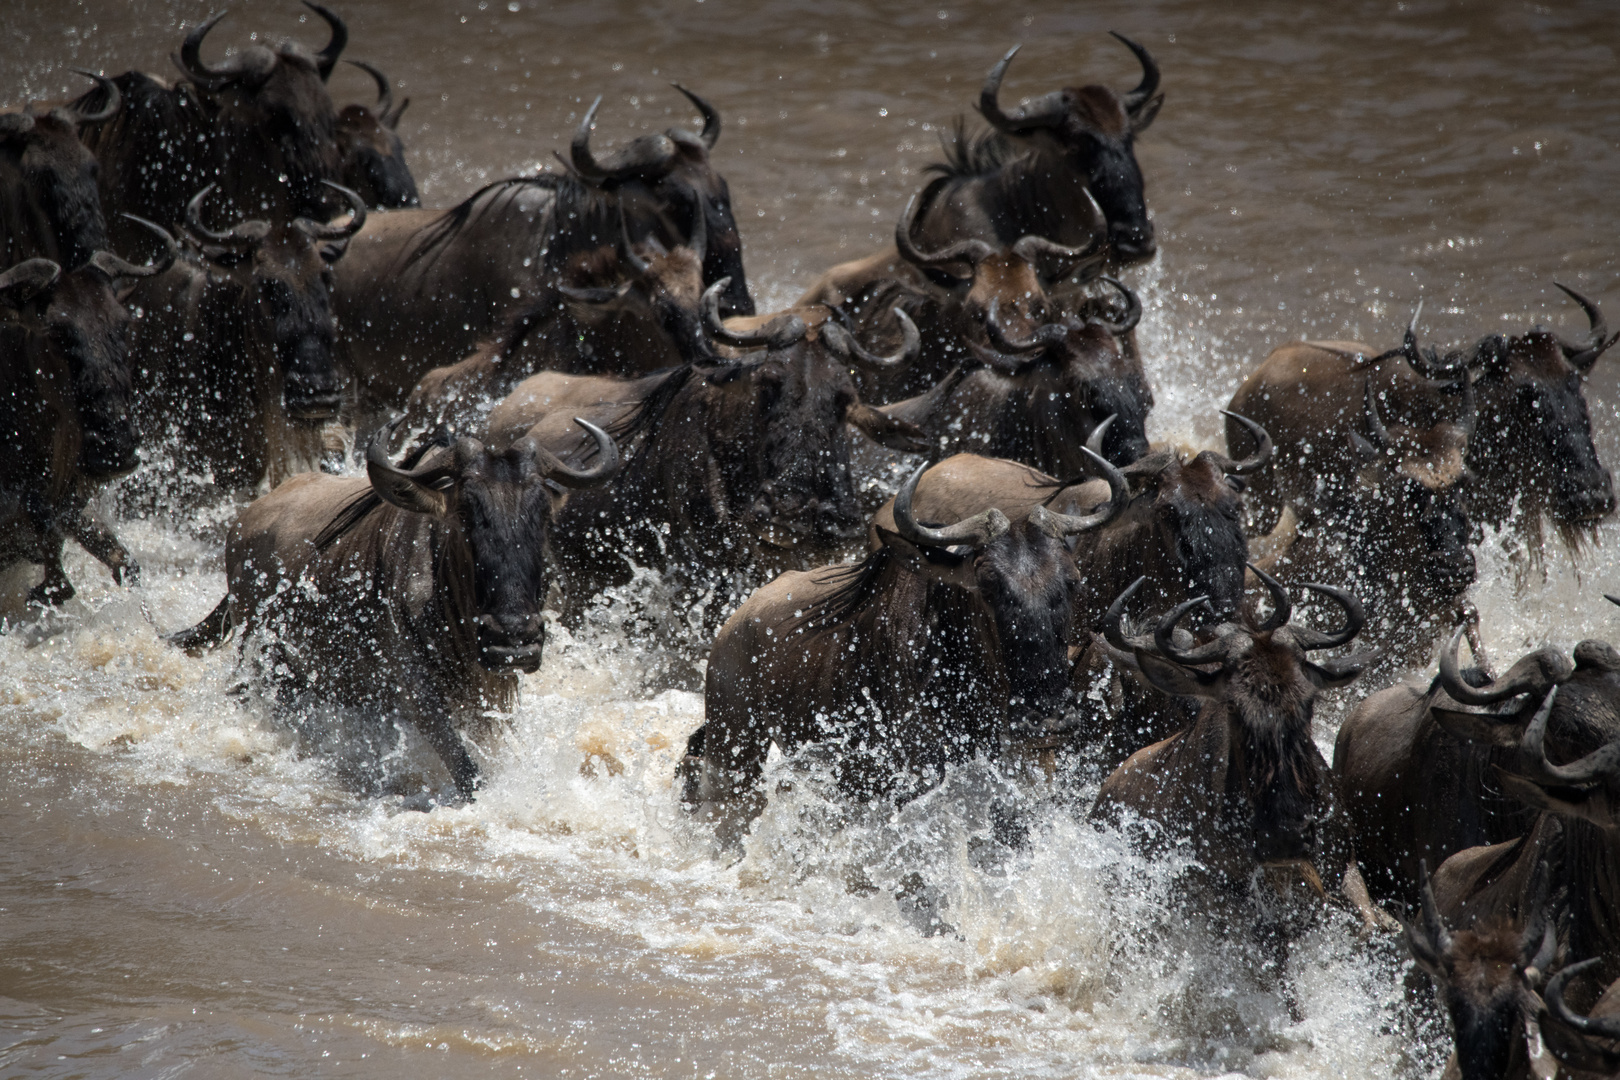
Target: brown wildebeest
727	465
49	204
944	644
236	345
64	411
261	126
1245	784
372	153
1045	168
421	288
1368	483
1417	789
414	594
948	293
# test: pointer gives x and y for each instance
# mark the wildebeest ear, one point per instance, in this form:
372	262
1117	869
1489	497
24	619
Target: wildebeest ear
1140	122
1590	804
1330	674
1174	679
333	250
1485	728
935	565
1360	446
886	430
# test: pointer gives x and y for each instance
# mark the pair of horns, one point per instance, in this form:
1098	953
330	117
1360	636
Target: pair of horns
191	64
422	489
974	251
249	233
1434	947
648	157
982	528
1056	333
387	115
1050	109
1582	357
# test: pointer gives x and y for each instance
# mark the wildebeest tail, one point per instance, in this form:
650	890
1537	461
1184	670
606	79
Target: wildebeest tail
215	627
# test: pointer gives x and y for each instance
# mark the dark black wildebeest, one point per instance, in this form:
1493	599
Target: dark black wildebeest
414	594
49	205
372	153
235	347
261	126
65	420
942	645
421	288
1037	172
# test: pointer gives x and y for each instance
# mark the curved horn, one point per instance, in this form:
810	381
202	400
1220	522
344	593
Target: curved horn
190	59
1048	336
115	267
1135	99
1583	358
1263	448
1006	365
970	251
1378	434
317	230
791	330
1597	765
1133	310
594	296
385	89
1279	597
233	239
1029	248
846	348
1531	675
1094	441
1425	364
115	100
1042	112
30	276
1433	925
1605	1027
1355	617
327	58
637	263
1060	525
413	491
978	530
711	117
603	471
579	150
1164	637
1113	628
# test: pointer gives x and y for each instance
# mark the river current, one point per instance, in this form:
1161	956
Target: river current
188	889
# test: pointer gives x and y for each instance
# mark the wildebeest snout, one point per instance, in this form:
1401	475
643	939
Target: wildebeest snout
1132	242
511	641
312	390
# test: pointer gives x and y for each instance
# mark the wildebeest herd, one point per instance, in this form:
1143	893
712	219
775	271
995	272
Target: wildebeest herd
563	379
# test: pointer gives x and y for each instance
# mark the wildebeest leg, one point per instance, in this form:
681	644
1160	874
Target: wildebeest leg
433	720
730	797
215	627
56	588
689	772
96	538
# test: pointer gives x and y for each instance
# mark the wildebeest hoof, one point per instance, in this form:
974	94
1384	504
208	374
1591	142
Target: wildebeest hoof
49	593
127	575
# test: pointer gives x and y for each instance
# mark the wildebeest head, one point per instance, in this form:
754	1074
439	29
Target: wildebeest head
1093	127
373	155
1025	576
50	206
1487	978
778	426
275	118
1072	374
1419	475
499	509
1538	442
284	268
76	326
1182	527
665	182
1257	679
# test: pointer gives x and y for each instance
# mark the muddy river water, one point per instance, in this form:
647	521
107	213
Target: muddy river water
182	892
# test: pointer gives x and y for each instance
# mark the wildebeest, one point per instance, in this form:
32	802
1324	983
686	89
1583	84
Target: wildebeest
1245	784
1037	172
414	594
261	126
1035	399
726	464
370	148
1416	790
1588	1047
1368	483
64	412
49	204
236	345
946	643
948	293
421	288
